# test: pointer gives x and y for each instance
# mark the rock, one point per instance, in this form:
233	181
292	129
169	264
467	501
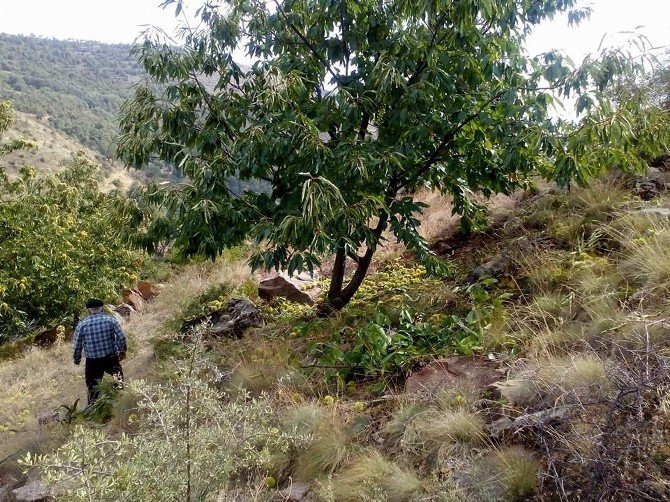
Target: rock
454	371
661	163
147	290
35	491
48	337
649	186
663	212
537	419
133	298
124	310
496	268
294	492
239	315
298	289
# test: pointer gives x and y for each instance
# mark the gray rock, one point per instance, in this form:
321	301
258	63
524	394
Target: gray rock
663	212
239	315
538	419
35	491
496	268
294	492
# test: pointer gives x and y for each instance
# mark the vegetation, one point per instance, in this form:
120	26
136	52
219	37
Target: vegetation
78	87
84	255
591	335
559	298
352	108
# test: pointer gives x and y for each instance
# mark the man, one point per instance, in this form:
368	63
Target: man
104	344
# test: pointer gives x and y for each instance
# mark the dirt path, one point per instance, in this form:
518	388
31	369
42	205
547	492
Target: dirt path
41	380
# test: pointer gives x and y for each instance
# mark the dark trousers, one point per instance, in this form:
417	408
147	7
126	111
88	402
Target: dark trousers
96	369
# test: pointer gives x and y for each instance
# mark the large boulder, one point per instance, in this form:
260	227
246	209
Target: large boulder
147	290
233	320
133	298
35	491
454	372
299	289
240	315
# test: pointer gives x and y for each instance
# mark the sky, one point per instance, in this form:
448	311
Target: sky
120	21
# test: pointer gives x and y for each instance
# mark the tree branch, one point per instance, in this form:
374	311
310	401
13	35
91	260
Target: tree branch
307	43
447	140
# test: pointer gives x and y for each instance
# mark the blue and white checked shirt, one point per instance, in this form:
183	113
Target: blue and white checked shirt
99	335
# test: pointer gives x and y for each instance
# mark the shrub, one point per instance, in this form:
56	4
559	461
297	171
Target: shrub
190	443
43	281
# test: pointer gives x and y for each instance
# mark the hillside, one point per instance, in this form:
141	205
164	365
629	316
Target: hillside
54	150
375	403
75	87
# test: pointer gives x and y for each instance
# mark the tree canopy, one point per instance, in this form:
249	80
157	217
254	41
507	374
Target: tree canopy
353	106
59	243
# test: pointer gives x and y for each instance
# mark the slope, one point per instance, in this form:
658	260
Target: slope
76	87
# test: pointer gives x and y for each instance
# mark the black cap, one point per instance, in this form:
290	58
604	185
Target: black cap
94	303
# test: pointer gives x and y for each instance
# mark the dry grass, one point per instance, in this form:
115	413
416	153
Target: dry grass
551	380
372	477
41	380
647	255
330	448
508	474
434	432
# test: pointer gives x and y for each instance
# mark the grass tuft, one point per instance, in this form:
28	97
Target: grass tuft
432	431
372	477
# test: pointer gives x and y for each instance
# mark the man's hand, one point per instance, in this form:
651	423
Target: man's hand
122	356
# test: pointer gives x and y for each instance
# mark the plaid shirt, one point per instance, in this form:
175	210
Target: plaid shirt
99	335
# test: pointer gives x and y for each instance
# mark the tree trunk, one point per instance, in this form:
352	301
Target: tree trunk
338	294
337	276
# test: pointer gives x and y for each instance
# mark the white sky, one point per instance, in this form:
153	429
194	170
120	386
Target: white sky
120	21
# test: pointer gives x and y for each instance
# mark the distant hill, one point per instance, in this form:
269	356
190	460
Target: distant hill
75	87
55	150
74	91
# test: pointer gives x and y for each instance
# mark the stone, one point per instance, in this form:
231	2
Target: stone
124	310
649	186
147	290
496	268
540	418
35	491
663	212
294	492
298	289
454	372
133	298
240	315
48	337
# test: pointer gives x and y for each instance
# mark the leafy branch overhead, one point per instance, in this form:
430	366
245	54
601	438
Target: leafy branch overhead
353	106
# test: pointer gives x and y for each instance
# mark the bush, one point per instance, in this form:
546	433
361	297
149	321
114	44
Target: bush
190	443
59	245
